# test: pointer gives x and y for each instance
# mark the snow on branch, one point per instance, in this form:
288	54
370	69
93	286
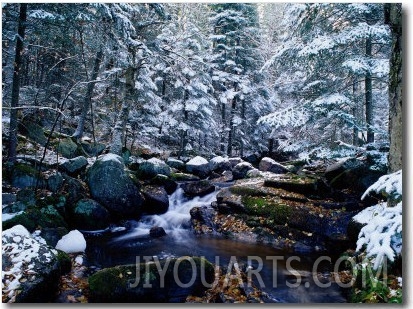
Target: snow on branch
382	235
387	185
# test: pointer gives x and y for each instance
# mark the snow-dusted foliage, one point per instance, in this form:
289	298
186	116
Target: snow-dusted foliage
382	234
388	185
381	237
321	64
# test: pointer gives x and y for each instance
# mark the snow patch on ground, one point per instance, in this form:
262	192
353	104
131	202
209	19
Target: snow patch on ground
72	242
6	217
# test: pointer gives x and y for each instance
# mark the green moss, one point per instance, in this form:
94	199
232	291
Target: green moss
183	177
241	190
65	263
25	169
33	218
275	213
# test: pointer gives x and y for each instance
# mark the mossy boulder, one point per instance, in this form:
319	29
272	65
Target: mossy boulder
300	184
26	176
176	163
156	200
88	214
143	282
184	177
54	181
74	189
75	166
34	218
153	167
92	149
33	131
241	169
112	187
67	148
169	185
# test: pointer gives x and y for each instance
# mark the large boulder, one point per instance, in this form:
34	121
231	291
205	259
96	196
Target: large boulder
156	200
145	282
234	161
153	167
241	169
198	188
161	180
26	176
353	174
220	164
74	189
88	214
198	166
176	163
30	268
270	165
67	148
54	180
111	186
74	166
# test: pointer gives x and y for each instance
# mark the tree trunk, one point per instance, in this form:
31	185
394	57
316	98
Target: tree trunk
395	89
118	136
88	98
16	83
355	114
369	97
223	116
231	127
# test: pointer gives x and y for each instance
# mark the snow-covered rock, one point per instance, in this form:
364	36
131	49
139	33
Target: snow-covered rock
270	165
198	166
220	164
72	242
153	167
241	169
30	268
74	166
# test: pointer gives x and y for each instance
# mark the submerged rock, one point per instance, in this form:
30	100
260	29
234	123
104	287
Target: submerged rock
145	282
157	231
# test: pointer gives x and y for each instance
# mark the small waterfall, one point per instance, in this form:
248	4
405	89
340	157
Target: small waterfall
176	220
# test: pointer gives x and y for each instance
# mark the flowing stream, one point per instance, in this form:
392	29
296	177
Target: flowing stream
280	269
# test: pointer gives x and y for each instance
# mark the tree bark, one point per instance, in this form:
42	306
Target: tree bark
231	127
88	98
16	83
394	19
369	96
355	114
118	136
